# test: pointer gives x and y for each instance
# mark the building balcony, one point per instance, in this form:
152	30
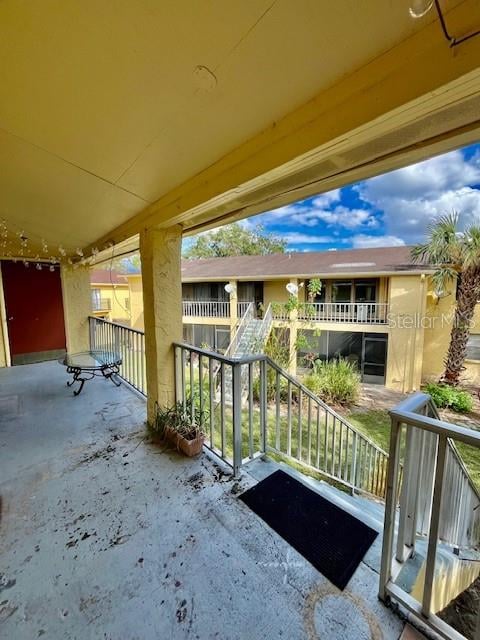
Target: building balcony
211	308
101	304
337	312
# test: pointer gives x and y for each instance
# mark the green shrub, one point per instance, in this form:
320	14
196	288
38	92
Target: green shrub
337	381
449	397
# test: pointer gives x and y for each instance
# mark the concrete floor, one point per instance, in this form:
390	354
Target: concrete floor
104	535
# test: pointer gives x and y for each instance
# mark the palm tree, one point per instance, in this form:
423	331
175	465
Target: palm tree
456	257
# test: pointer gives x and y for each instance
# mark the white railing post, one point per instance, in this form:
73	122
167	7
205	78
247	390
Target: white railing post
92	330
390	508
434	526
409	495
263	405
237	417
179	392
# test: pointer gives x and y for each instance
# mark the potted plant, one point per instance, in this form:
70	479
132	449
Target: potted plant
182	426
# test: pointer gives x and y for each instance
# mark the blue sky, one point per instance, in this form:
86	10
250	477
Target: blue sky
388	210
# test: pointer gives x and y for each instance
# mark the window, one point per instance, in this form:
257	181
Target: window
341	292
365	291
473	347
96	299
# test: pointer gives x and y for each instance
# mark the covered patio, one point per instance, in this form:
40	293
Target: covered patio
129	127
107	535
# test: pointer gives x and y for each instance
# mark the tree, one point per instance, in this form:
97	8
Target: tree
455	256
235	240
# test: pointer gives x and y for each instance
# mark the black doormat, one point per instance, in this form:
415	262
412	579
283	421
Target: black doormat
333	541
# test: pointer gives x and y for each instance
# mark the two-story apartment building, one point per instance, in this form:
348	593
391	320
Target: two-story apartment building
375	308
110	296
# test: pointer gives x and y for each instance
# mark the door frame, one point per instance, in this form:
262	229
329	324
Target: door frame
4	323
374	339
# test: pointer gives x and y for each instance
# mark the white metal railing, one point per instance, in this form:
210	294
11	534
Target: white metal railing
438	501
277	414
128	343
242	308
206	308
242	325
101	304
358	312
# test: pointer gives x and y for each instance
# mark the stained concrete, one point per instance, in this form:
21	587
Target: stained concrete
104	535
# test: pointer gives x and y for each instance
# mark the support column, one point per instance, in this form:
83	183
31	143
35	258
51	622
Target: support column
233	307
77	306
160	251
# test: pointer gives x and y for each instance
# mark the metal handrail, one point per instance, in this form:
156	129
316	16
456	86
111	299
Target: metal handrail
343	446
349	312
128	343
206	308
249	313
439	500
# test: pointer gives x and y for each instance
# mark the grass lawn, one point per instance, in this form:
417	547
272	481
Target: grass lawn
375	424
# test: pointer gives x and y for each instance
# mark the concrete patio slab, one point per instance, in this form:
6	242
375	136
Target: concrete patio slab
105	535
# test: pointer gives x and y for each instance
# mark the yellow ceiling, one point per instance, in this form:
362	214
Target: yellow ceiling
104	109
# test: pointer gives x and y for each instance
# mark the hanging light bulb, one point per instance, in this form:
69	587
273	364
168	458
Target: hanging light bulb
62	251
79	252
419	8
52	268
38	266
44	246
26	263
94	251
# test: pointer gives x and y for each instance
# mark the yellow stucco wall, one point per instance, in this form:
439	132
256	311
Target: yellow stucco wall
405	339
439	315
274	291
160	250
119	297
136	301
77	307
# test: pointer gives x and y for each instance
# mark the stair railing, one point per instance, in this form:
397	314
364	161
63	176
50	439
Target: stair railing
274	412
242	325
438	501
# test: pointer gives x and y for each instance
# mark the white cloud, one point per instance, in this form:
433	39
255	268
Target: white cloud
343	217
412	197
295	237
362	241
326	199
316	213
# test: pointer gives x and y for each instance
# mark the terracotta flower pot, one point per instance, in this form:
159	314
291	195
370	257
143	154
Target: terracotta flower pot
189	447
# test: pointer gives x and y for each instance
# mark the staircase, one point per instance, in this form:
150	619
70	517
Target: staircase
249	339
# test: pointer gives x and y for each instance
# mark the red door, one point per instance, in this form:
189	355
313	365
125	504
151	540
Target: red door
33	301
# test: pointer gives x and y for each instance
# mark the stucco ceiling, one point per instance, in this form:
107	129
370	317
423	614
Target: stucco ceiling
107	106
